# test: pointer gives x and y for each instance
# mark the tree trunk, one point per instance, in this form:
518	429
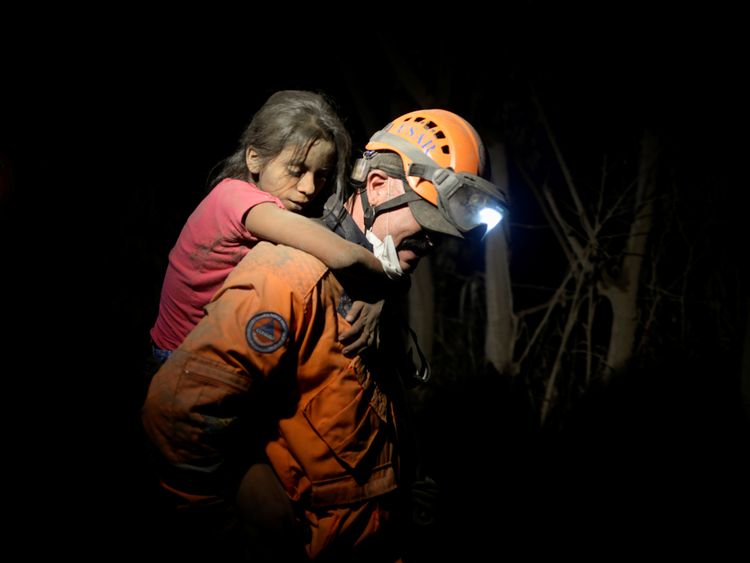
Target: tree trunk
745	374
498	342
622	289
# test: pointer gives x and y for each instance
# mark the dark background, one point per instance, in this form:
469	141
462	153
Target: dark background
109	133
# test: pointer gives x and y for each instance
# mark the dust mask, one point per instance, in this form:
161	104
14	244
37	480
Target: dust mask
385	251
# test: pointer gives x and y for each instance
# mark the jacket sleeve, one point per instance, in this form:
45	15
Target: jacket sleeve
203	404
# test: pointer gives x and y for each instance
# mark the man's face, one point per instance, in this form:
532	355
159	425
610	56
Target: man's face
410	239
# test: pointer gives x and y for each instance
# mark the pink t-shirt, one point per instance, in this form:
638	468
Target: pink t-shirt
212	242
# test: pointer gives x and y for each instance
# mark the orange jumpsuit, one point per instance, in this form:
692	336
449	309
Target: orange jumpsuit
268	349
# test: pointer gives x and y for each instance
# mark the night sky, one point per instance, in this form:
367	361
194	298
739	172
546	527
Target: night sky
109	133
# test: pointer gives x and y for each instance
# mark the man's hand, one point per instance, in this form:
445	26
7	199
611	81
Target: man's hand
364	333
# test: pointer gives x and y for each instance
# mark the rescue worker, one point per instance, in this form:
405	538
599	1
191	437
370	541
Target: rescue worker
263	376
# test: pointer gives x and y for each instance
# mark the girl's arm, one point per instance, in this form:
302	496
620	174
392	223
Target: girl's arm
273	224
277	225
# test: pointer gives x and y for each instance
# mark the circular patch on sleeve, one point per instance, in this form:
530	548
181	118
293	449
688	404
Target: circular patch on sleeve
266	332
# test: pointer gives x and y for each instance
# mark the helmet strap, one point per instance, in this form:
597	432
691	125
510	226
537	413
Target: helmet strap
371	212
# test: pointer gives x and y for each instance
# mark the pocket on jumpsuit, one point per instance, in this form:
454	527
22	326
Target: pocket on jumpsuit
342	415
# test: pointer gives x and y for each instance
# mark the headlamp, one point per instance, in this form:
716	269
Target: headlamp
466	200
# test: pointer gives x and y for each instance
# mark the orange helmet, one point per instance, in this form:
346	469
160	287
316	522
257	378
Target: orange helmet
443	160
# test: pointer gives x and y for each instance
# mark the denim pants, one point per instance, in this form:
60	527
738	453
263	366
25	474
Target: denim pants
160	354
153	362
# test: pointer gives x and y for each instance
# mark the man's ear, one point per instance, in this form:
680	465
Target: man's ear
253	161
377	187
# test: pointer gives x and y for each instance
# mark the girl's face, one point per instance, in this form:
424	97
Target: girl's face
295	183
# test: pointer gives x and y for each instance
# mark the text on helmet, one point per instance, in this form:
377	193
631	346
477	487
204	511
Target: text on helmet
422	136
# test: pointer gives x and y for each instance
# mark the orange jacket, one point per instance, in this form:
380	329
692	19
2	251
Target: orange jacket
269	343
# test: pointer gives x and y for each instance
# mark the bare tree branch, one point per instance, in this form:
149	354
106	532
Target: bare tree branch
589	326
556	229
617	208
550	307
566	228
600	201
557	365
566	172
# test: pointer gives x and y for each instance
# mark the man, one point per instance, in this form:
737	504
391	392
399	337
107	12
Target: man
263	376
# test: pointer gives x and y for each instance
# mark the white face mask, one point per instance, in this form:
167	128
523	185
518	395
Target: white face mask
385	251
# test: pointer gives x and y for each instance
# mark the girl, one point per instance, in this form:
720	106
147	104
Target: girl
294	147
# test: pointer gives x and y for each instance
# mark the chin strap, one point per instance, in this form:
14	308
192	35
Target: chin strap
398	201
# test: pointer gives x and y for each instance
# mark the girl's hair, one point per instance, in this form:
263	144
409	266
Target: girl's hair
292	118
